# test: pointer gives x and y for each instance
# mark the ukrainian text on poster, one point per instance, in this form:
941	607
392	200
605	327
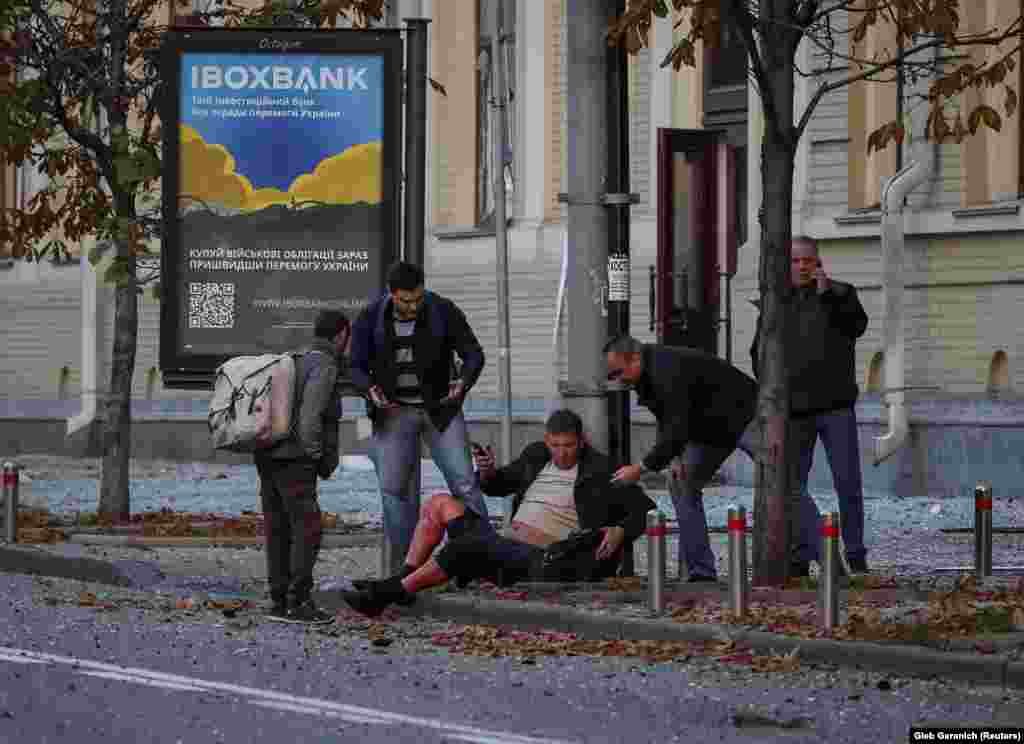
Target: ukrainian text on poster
280	195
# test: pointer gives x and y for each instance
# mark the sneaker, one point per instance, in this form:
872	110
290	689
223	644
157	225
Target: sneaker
308	613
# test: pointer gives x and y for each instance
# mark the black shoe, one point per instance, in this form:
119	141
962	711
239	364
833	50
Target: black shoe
380	594
858	565
363	585
367	602
278	612
308	613
799	569
699	579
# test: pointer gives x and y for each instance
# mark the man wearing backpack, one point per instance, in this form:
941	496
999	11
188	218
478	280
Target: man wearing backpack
403	356
289	470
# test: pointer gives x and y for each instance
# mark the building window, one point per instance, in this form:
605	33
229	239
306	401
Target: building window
999	374
725	109
875	372
485	96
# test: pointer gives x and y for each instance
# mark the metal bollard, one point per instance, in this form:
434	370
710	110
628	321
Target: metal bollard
828	591
738	585
656	531
10	484
983	530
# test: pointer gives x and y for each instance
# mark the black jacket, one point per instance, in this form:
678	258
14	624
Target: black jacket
823	331
442	331
598	503
696	397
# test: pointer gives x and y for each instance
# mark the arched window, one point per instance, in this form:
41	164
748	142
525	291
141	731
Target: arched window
999	373
876	373
152	379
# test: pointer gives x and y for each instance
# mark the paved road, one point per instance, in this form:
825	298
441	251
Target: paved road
70	674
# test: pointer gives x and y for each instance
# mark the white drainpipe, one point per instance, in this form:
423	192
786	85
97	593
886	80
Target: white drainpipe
893	241
94	322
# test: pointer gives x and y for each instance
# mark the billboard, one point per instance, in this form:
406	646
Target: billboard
280	188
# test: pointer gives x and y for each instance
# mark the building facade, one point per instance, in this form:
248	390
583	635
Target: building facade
964	271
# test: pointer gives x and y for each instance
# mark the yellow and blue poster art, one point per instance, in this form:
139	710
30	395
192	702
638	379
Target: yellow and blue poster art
285	191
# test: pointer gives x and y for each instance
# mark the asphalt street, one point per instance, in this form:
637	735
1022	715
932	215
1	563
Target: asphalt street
73	674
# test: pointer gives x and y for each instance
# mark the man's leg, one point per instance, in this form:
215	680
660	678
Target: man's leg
839	435
476	554
806	539
396	448
450	450
304	513
277	537
701	462
435	516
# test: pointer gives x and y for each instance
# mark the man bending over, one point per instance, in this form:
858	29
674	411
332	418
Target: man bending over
561	484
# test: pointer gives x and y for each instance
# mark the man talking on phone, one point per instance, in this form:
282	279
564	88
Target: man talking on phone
827	320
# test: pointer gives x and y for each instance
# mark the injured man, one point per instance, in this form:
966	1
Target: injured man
562	488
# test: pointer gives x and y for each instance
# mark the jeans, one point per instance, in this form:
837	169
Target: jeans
702	462
292	526
396	450
838	432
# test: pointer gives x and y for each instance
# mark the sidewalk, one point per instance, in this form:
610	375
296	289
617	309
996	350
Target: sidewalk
922	625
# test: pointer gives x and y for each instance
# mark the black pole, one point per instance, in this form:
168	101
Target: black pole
618	246
415	137
391	556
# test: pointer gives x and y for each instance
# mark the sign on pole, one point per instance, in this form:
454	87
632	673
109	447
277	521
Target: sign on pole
280	187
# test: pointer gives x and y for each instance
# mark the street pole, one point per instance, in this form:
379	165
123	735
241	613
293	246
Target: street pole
498	117
619	271
392	557
587	300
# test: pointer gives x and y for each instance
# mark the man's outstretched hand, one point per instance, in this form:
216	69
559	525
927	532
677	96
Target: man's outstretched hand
613	537
627	474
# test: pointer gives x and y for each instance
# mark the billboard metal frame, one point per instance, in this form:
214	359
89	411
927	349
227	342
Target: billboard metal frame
185	370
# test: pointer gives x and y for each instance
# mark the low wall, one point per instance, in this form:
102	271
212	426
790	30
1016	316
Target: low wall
953	442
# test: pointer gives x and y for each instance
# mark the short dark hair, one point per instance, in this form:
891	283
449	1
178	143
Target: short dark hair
406	276
623	344
329	323
564	421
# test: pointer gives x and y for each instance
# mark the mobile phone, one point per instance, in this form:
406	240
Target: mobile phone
478	449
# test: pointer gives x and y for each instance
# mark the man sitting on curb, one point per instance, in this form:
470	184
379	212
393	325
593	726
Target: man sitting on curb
560	485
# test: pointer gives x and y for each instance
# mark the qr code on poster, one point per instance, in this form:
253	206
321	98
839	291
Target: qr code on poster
211	305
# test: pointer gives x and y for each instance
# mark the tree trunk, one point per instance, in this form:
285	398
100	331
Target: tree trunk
773	503
114	496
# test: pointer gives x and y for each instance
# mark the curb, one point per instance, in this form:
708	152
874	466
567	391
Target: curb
895	658
38	562
133	541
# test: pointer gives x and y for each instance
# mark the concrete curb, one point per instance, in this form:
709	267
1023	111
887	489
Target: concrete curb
895	658
134	541
37	562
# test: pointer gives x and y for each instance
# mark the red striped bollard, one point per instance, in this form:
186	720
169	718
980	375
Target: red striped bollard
656	532
983	530
828	591
738	585
10	484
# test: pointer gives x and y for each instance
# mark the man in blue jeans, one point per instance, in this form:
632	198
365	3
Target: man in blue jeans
404	347
705	410
828	318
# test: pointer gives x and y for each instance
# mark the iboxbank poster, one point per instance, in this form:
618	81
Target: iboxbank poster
282	168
